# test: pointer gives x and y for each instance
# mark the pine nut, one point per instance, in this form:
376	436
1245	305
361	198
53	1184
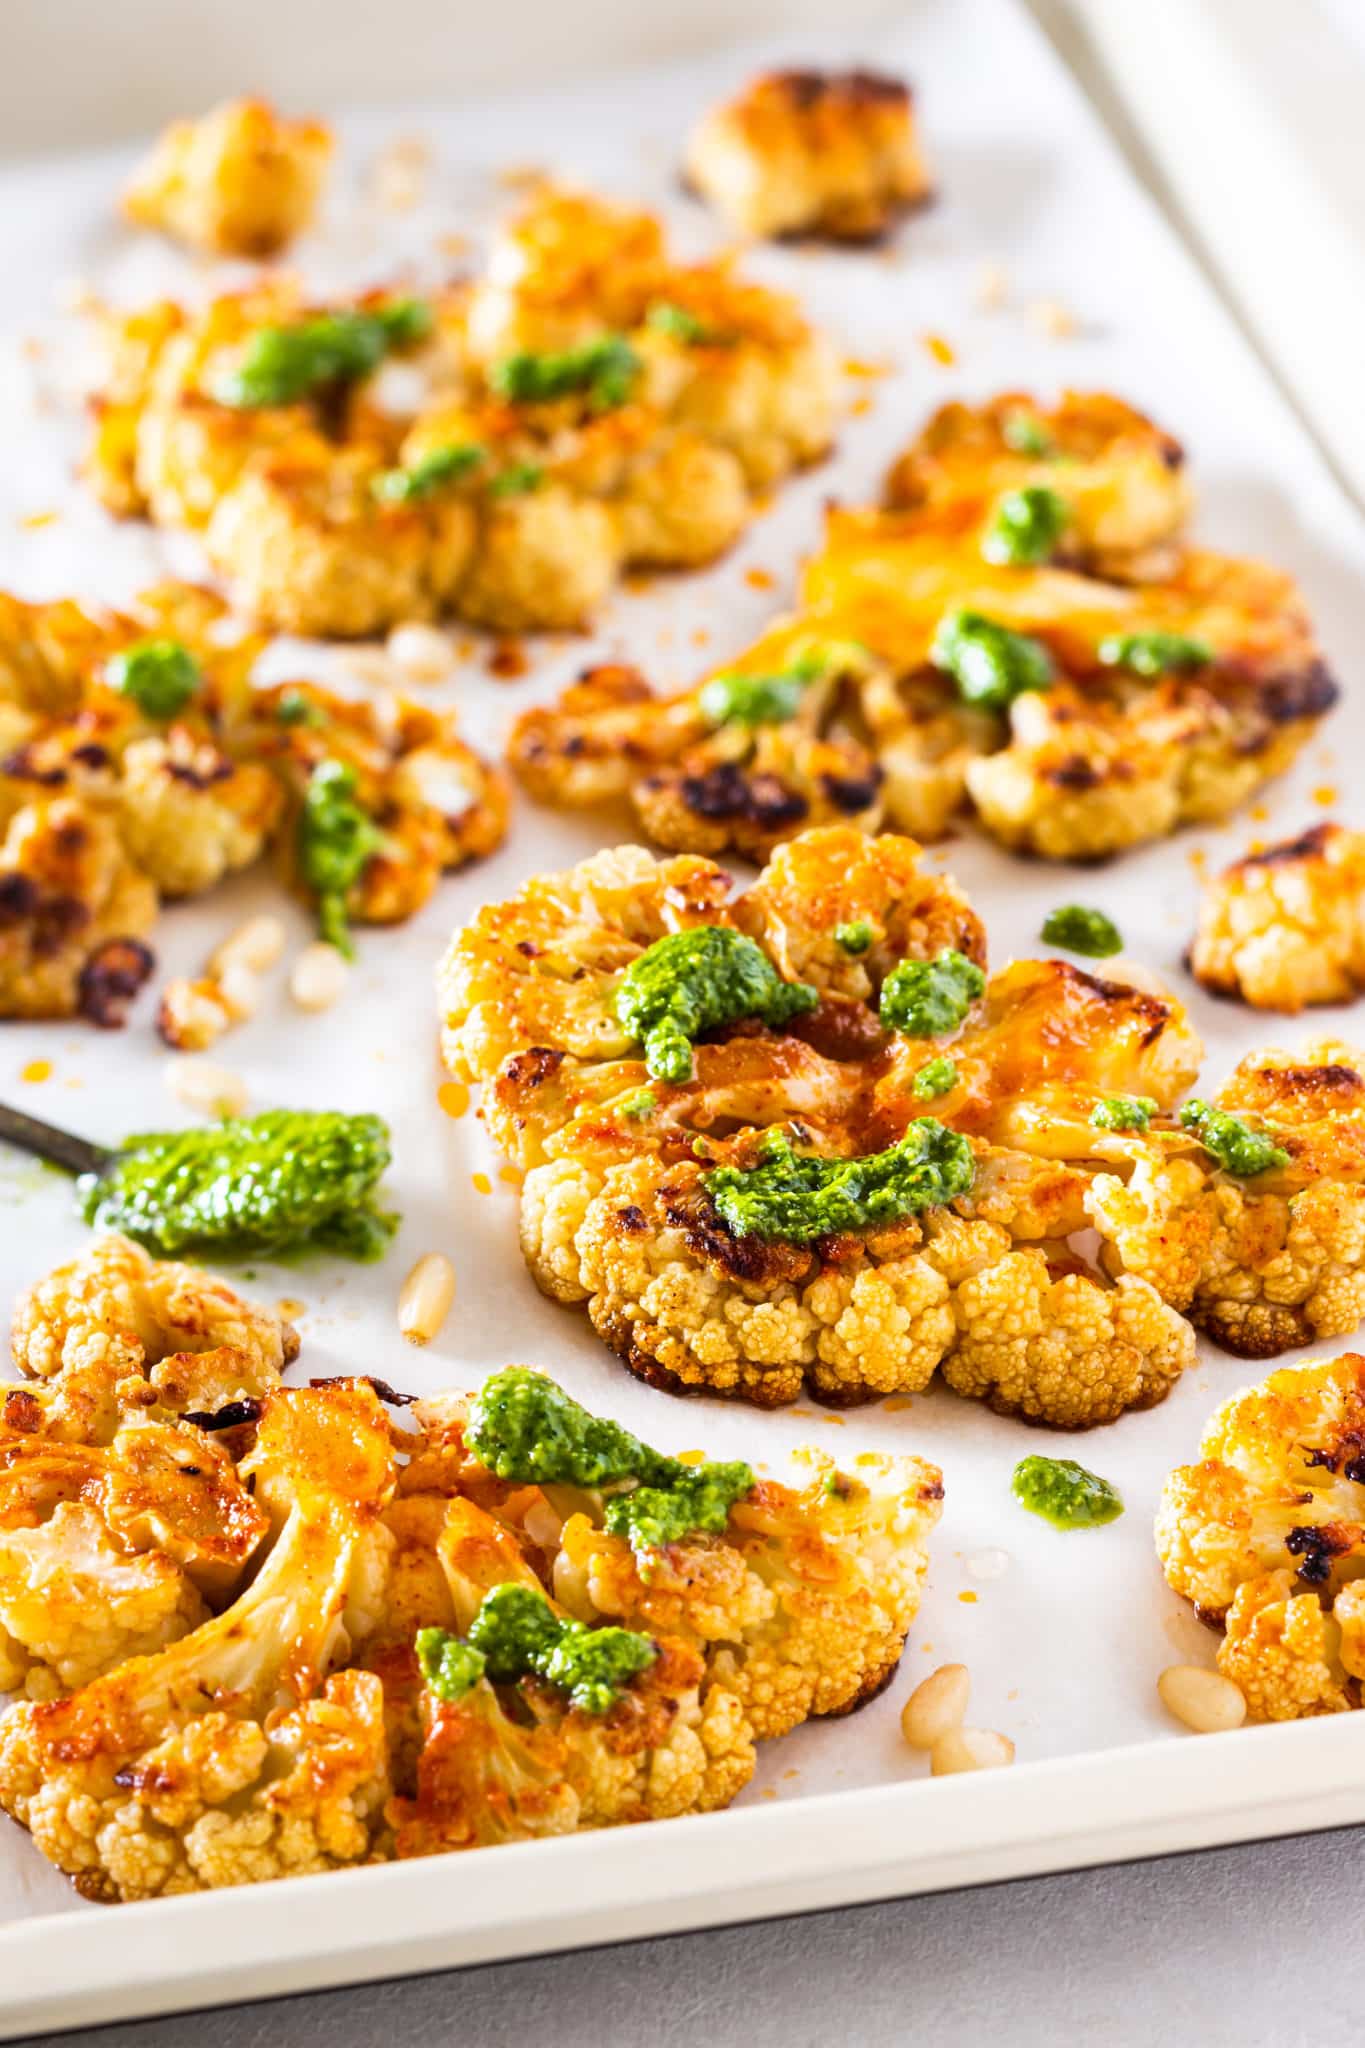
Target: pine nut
992	287
936	1706
256	945
421	652
199	1084
425	1300
970	1749
240	991
319	977
192	1015
1203	1700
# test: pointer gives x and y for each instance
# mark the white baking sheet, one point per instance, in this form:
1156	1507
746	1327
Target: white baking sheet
1064	1634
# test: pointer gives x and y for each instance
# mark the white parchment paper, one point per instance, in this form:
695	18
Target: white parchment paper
1064	1634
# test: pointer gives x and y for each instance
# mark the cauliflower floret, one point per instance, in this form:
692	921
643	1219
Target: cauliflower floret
74	913
241	181
1283	927
232	1756
188	814
683	503
1266	1535
116	1331
310	548
566	268
1266	1263
833	154
543	561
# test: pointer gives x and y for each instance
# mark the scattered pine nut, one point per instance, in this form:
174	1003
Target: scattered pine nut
199	1084
1052	318
992	287
421	652
319	977
427	1293
970	1749
1202	1700
255	945
192	1015
937	1706
240	991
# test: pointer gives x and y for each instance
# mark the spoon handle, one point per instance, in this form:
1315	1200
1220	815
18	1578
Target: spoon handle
59	1148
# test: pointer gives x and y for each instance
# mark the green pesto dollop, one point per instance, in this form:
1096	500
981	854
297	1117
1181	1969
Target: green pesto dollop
1155	654
1025	434
990	664
450	1668
799	1198
640	1105
696	1497
517	480
736	698
1064	1493
936	1077
1231	1140
1123	1112
679	323
293	707
432	472
159	676
926	998
855	937
1027	526
528	1431
695	980
281	365
337	837
518	1634
1081	930
604	371
288	1180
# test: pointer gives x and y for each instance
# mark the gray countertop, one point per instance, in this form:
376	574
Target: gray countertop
1252	1947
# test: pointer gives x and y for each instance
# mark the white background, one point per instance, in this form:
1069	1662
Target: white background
1073	1656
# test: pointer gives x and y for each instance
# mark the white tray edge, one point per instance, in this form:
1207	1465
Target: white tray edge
835	1849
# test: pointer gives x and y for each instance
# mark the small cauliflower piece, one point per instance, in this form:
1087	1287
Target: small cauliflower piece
75	912
115	1332
832	154
543	561
1283	927
1266	1536
107	1552
189	814
1264	1263
237	1754
241	181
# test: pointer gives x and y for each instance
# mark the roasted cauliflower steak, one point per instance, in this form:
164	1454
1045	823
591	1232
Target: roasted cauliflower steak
1022	631
501	451
1266	1536
973	1275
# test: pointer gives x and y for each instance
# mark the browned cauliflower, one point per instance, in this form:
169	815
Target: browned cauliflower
1263	1260
1283	926
827	153
620	1205
108	799
240	181
237	1753
589	405
1266	1535
1113	682
116	1333
107	1551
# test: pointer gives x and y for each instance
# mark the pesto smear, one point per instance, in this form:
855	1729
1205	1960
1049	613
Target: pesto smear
1082	930
517	1634
1064	1493
159	676
1025	434
527	1430
1123	1112
1155	654
694	981
337	838
926	998
935	1077
1027	526
1231	1140
990	664
603	371
287	1180
430	473
281	365
799	1198
855	937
